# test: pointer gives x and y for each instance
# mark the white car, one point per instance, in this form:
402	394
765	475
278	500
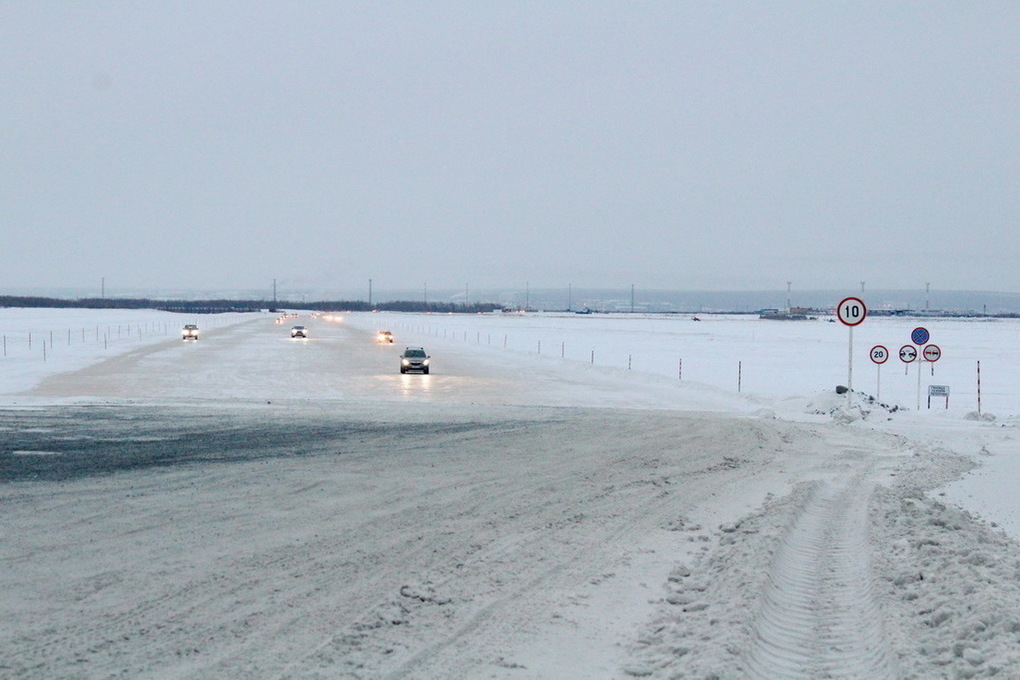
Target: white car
299	332
189	332
414	359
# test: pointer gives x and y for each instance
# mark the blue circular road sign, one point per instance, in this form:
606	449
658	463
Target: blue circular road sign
919	335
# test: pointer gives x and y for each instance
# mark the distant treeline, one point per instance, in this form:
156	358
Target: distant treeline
221	306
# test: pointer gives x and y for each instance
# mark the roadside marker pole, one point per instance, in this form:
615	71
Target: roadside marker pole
979	385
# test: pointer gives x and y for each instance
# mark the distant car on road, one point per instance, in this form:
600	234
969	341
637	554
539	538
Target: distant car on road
384	336
189	332
414	359
299	332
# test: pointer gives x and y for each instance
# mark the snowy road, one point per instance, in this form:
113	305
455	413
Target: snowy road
253	506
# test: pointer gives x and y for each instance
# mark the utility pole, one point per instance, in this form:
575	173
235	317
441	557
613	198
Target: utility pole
788	307
370	293
927	298
274	293
632	298
102	289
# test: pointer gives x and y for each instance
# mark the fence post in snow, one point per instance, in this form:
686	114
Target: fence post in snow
740	374
680	369
593	356
628	362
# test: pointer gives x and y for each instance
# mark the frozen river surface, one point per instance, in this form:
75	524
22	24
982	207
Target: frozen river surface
254	506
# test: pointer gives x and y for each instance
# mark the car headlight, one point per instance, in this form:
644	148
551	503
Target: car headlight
425	363
405	362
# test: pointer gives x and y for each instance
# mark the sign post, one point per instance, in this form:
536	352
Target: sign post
851	312
880	355
919	336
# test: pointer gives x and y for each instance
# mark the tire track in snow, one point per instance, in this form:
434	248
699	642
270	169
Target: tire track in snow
820	616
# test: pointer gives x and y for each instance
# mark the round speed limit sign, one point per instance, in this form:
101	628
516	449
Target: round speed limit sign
851	311
879	354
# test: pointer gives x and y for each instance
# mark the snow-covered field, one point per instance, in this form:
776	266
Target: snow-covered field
563	496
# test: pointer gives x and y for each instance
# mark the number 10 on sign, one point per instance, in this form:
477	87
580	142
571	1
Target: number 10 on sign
851	312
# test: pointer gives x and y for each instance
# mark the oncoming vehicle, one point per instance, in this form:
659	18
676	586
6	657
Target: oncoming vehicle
414	359
384	336
299	332
189	332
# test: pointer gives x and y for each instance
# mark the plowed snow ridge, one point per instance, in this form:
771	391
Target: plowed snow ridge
819	614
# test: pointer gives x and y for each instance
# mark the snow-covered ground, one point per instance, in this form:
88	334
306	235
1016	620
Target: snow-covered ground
563	496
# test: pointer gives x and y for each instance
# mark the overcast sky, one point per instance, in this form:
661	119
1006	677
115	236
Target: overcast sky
690	145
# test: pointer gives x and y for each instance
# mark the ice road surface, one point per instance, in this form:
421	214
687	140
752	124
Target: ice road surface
563	496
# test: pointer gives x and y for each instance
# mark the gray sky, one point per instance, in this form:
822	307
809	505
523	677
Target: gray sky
692	145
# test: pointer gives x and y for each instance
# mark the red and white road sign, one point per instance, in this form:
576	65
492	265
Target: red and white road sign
932	353
851	311
908	353
879	354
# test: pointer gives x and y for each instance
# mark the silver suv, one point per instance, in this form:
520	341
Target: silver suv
414	359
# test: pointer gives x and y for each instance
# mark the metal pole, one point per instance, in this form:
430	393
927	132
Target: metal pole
920	359
850	368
